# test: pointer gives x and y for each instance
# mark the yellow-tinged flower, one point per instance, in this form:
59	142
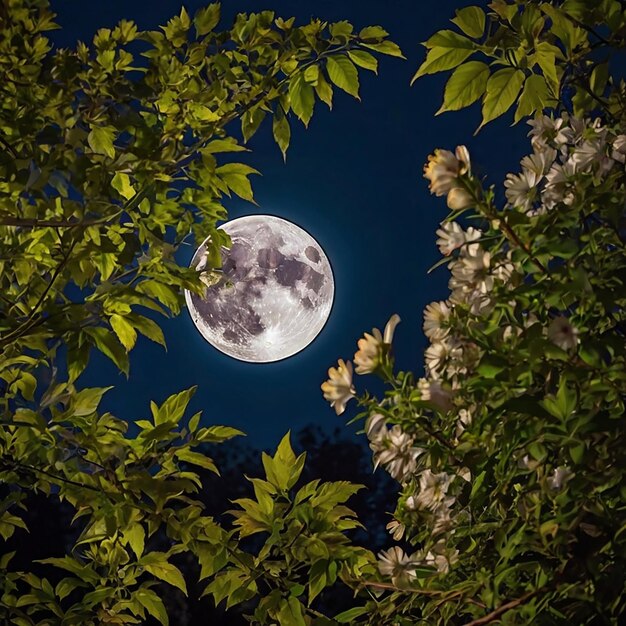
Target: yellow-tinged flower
444	167
338	389
368	356
459	199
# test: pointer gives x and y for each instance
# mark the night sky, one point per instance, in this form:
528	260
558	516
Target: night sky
354	181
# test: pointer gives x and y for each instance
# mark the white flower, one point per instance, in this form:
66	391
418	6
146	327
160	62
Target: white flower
375	427
390	328
562	334
435	315
452	237
443	169
619	148
433	490
368	356
432	391
338	389
463	421
441	557
521	189
397	565
589	153
539	162
394	449
396	529
441	522
559	184
459	199
472	268
559	478
545	130
436	356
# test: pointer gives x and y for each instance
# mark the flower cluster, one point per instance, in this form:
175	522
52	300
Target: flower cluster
563	149
415	434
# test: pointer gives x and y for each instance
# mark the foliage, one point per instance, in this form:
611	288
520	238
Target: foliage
113	156
509	452
531	55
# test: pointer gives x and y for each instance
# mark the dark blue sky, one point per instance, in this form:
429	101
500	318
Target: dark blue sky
354	181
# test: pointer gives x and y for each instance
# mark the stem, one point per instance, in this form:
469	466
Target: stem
26	324
16	464
490	617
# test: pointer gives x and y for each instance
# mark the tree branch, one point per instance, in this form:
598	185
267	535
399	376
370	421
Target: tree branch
495	614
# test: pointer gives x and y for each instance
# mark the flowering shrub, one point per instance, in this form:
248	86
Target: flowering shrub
509	451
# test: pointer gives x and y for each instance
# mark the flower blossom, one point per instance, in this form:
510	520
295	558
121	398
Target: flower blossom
433	490
393	448
441	557
619	149
559	477
562	334
452	237
472	268
432	391
521	189
545	130
370	351
444	168
400	567
396	529
459	199
338	389
435	316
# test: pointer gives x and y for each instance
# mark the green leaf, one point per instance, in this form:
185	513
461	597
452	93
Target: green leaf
124	331
100	140
135	535
156	564
347	617
364	59
317	579
471	20
440	60
147	327
121	183
207	18
235	175
86	401
545	56
196	458
173	409
534	97
290	613
153	604
108	344
281	130
302	98
217	434
502	89
466	85
324	91
344	74
373	32
386	47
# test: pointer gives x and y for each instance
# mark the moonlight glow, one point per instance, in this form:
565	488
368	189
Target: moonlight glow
275	296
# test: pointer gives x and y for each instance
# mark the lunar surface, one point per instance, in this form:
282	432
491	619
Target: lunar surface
275	294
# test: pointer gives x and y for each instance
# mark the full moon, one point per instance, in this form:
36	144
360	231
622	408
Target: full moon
274	296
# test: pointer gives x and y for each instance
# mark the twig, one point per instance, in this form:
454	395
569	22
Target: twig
69	481
490	617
